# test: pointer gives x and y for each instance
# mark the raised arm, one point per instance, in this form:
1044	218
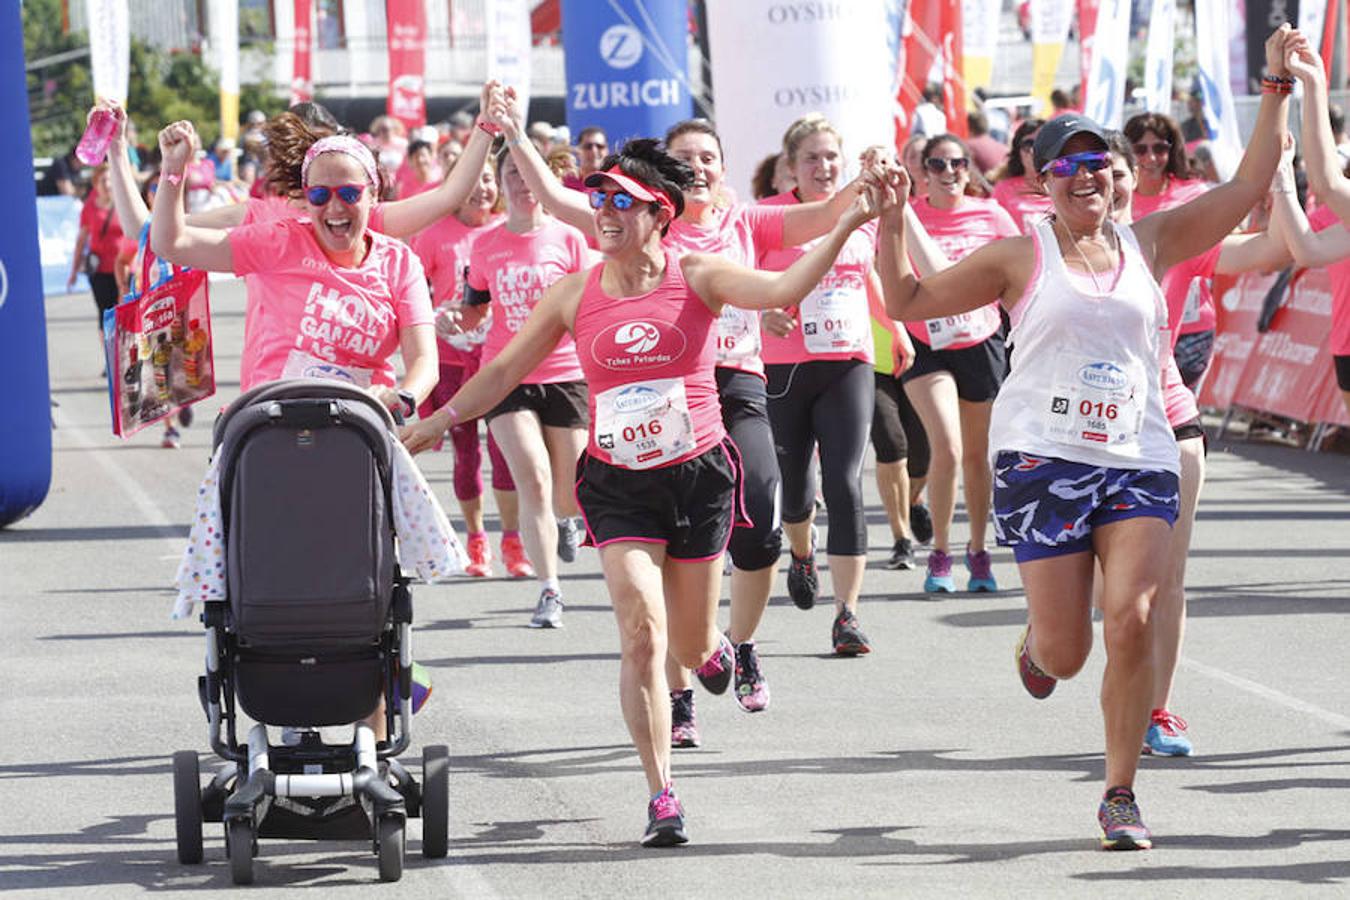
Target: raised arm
171	238
132	213
561	202
1189	230
1290	227
804	222
229	216
1319	146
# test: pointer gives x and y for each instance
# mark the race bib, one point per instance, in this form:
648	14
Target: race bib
644	425
1190	313
835	320
300	364
1095	402
737	335
967	328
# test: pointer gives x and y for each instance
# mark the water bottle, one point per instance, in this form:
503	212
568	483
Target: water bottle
98	135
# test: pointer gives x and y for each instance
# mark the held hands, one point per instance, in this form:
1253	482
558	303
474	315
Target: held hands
1304	63
1277	50
177	145
486	98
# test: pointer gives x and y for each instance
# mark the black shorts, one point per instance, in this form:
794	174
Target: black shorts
559	404
1342	364
888	431
103	285
979	371
690	507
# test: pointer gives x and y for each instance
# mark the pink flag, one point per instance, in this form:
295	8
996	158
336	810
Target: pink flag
407	26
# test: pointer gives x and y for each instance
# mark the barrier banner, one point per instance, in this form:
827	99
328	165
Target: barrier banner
953	80
109	47
302	74
979	39
1238	304
1330	403
58	225
1158	57
1050	21
774	62
627	65
1211	55
1289	361
1104	101
406	22
509	41
25	402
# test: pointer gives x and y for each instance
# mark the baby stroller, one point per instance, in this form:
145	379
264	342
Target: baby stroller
315	632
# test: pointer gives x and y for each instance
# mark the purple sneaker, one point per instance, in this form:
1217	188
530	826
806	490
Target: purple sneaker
939	580
683	727
1122	826
981	571
665	820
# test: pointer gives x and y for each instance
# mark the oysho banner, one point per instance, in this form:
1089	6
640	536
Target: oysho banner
1105	100
109	48
407	30
302	75
627	65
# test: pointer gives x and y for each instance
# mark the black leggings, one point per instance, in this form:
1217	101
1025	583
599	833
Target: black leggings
827	403
745	415
103	285
897	432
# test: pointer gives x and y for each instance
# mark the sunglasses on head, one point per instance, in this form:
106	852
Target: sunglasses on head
1067	166
620	200
938	164
1160	148
319	194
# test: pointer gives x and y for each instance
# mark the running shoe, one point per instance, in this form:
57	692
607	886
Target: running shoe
480	556
921	522
513	557
1037	683
902	555
802	583
1122	827
715	674
1166	735
683	726
848	638
569	539
752	691
171	438
939	580
665	820
548	613
981	570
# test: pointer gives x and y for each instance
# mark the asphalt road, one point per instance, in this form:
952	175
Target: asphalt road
920	770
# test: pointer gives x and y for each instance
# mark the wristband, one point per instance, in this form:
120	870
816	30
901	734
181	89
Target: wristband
516	141
454	416
491	129
409	403
174	179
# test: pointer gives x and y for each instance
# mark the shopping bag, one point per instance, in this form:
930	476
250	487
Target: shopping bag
159	347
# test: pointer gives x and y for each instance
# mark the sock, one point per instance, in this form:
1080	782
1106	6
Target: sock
1118	791
551	584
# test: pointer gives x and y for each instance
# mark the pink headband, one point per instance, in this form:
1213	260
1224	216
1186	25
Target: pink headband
340	143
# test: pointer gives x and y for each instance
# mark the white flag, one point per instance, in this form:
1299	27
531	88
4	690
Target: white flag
1158	57
1211	52
1105	101
109	48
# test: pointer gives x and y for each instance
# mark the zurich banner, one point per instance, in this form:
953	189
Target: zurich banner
25	401
627	66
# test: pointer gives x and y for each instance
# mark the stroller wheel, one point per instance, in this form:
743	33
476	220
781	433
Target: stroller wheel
187	806
435	801
239	844
390	833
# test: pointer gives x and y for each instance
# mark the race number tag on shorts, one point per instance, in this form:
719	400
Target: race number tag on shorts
645	424
967	328
737	335
835	320
1190	313
1095	402
300	364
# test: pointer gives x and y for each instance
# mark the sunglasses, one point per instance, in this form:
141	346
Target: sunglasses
937	165
620	200
1160	148
350	194
1067	166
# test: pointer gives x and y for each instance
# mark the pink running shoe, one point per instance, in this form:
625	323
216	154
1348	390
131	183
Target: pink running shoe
665	820
480	556
1037	683
513	557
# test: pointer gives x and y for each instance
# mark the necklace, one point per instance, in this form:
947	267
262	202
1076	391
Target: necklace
1113	247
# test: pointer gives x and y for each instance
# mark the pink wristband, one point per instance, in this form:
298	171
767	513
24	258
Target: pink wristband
172	178
454	416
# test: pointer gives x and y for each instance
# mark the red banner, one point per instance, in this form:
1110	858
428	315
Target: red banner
920	47
1290	361
953	53
302	76
1087	31
1239	308
407	27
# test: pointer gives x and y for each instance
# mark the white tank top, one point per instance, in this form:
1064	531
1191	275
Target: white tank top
1086	382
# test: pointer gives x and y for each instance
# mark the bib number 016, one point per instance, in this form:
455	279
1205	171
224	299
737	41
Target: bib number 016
1099	410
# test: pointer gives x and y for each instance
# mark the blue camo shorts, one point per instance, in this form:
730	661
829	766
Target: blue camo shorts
1046	507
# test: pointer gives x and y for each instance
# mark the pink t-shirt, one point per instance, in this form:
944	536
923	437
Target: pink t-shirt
959	231
741	234
1188	289
444	250
649	366
1174	193
1339	272
1178	401
516	269
407	184
104	232
1026	206
269	208
313	317
834	320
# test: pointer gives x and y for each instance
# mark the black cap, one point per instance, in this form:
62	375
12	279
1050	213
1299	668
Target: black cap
1052	137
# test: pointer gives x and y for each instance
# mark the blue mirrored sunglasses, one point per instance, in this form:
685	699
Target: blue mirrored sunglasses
620	200
1067	166
349	194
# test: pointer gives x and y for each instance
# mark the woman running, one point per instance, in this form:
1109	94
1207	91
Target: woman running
1019	189
958	366
659	483
1086	467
